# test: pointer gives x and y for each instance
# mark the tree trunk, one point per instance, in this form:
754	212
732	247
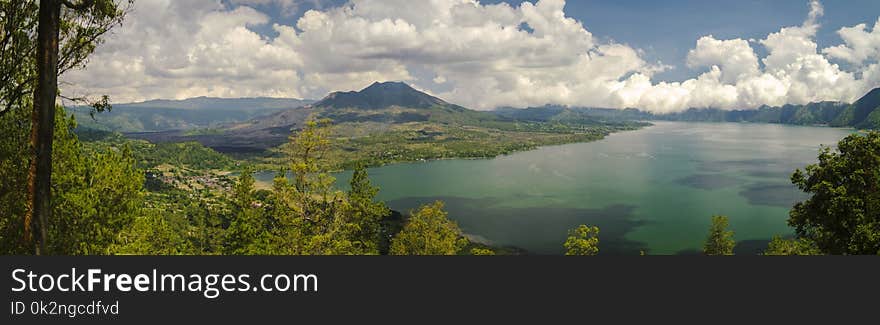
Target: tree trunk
43	124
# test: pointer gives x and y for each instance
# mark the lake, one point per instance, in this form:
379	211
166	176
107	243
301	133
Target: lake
652	190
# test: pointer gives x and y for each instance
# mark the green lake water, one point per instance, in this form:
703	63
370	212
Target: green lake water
651	190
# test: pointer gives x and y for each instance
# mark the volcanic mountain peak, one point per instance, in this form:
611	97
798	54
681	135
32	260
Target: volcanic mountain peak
381	95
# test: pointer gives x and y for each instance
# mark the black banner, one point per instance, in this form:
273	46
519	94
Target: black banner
415	290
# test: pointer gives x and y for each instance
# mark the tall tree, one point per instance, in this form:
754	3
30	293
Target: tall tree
797	246
67	33
365	218
583	240
720	240
247	223
429	232
97	192
843	214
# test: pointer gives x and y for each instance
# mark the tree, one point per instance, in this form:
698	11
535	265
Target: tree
96	193
843	214
583	240
307	216
482	251
310	214
428	232
720	240
799	246
365	216
307	156
151	235
247	225
31	65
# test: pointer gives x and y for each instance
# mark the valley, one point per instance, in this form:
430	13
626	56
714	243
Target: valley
630	172
389	123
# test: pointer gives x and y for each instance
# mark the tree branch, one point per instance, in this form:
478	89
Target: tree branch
78	6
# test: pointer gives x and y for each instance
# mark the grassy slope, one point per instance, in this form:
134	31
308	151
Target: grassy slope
376	144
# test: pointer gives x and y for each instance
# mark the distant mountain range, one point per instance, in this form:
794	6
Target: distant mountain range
193	113
384	103
863	114
253	125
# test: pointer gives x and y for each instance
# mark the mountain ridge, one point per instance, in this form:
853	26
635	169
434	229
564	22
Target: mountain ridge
862	114
381	95
205	102
185	114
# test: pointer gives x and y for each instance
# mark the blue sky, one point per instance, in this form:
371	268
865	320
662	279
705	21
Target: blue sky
667	29
657	55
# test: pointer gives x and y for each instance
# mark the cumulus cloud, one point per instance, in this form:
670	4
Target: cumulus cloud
861	45
179	49
478	55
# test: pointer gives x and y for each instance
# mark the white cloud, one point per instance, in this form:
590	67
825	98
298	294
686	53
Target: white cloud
480	56
178	49
793	72
735	57
861	45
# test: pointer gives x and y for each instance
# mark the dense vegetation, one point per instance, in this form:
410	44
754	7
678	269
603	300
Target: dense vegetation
843	214
360	143
95	194
842	217
307	215
583	240
99	207
720	240
113	195
392	122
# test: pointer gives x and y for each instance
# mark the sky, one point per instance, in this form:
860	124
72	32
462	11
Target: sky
662	56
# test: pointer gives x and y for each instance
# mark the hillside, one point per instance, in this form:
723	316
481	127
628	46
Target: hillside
823	113
863	114
383	95
394	103
391	122
187	114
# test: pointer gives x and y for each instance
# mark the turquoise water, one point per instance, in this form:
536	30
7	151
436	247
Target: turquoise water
651	190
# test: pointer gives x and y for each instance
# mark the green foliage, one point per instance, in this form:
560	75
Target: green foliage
95	195
151	235
364	219
482	252
307	154
185	154
720	240
247	228
80	32
779	246
307	216
376	144
17	59
583	240
843	214
428	232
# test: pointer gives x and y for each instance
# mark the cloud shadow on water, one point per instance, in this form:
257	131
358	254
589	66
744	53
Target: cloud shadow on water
708	181
784	196
539	230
